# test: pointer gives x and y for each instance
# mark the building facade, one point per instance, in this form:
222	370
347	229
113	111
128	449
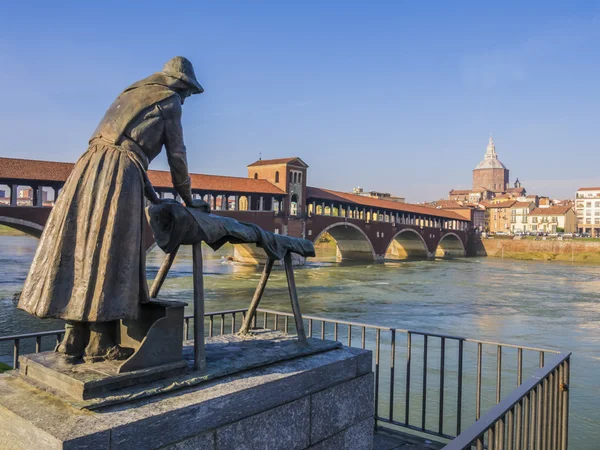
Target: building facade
587	205
519	216
498	216
553	219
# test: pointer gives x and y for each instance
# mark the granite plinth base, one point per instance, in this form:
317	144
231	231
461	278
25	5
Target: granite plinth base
91	386
322	400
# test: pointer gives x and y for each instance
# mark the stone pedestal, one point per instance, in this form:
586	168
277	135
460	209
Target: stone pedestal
322	400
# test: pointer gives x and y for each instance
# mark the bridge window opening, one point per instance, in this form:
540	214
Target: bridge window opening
319	210
244	204
336	211
255	176
24	196
277	177
275	206
294	205
327	210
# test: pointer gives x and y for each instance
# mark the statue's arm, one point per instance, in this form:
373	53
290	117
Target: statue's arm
176	151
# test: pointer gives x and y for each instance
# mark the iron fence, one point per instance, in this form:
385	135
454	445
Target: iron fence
431	383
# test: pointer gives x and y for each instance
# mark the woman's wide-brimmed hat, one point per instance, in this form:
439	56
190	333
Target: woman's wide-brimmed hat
182	69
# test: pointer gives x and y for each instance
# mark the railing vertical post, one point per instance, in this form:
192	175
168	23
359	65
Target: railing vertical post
460	387
565	404
539	394
559	407
377	345
544	413
518	424
349	335
441	401
424	393
16	344
526	421
392	370
363	337
478	388
408	360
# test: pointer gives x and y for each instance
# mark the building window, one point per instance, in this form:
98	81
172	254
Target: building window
291	176
300	178
255	176
588	204
277	177
597	204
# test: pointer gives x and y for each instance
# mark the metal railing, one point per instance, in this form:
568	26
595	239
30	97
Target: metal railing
434	383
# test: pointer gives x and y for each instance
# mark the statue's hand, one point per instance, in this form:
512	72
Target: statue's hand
200	204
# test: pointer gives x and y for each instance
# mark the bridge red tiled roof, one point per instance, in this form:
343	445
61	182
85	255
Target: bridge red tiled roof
28	169
50	171
327	194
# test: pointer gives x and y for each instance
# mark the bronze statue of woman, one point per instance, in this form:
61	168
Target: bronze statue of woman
89	268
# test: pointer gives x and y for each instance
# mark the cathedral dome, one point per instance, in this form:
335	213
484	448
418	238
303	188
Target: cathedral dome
491	160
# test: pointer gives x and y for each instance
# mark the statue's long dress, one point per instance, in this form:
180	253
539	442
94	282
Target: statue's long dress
90	262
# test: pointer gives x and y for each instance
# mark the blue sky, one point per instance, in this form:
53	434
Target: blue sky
394	96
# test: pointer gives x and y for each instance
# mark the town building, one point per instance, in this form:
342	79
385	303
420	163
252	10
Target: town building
380	195
553	219
519	216
498	216
490	180
587	205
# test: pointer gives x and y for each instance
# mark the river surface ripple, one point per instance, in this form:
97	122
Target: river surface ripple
541	304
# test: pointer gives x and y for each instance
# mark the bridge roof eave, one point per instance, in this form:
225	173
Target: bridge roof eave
320	194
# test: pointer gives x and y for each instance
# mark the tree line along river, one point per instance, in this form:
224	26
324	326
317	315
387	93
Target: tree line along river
541	304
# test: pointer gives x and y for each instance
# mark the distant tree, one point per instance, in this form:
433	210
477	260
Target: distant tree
560	230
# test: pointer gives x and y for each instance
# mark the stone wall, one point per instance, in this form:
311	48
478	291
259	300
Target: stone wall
548	250
340	417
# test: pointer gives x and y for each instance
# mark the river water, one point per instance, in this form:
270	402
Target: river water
541	304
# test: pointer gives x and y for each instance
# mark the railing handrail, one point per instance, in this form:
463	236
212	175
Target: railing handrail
401	330
60	331
489	419
321	319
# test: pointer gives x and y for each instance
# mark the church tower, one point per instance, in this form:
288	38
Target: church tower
490	173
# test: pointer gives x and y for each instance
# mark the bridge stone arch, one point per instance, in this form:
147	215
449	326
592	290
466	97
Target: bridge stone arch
407	244
450	245
352	242
26	226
